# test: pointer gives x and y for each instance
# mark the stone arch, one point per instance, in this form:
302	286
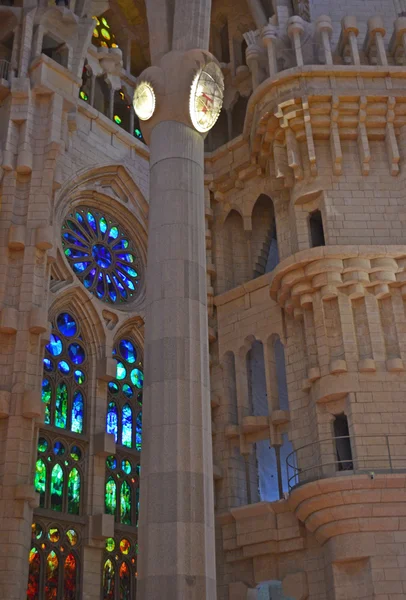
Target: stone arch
264	248
235	251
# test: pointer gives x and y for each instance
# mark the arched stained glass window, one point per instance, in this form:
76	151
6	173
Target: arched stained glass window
122	484
51	576
125	503
64	382
101	254
57	487
40	480
34	574
120	568
74	492
53	563
125	396
58	473
111	499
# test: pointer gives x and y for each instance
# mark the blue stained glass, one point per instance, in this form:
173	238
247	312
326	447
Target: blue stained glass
59	449
127	281
46	391
76	353
138	432
55	345
77	413
73	240
80	266
121	245
126	466
103	225
67	324
100	286
74	253
139	398
63	367
120	286
128	270
113	387
128	351
112	420
137	378
126	257
113	234
48	364
128	391
92	221
89	279
79	376
61	406
111	462
121	371
126	426
111	288
72	225
102	256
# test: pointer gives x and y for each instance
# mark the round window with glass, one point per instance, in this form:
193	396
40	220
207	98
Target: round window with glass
101	254
206	97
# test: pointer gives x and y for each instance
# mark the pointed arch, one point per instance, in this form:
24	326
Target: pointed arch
264	248
235	251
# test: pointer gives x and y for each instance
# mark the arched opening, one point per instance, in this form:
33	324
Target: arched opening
86	87
264	247
342	443
267	471
235	251
102	96
230	389
316	229
224	44
55	49
238	115
219	134
122	110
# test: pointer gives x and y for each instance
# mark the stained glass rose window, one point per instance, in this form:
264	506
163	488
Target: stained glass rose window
101	254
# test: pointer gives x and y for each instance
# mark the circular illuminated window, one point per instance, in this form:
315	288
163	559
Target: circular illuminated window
101	254
206	97
144	101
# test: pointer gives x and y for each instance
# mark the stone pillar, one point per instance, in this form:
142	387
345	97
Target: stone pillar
325	30
269	37
295	32
176	531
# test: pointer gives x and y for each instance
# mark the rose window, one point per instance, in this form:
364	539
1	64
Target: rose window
101	254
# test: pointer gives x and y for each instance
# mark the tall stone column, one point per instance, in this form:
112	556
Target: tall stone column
176	529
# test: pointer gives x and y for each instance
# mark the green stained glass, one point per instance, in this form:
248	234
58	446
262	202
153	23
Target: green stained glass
125	504
42	444
40	480
126	426
51	584
137	377
110	544
103	225
121	371
72	537
110	499
111	462
56	487
74	492
61	406
46	391
126	466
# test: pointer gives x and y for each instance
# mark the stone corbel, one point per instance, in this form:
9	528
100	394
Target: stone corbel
347	44
397	44
362	139
392	148
374	45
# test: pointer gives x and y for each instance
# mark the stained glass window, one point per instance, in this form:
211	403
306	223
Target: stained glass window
58	474
124	418
64	381
53	563
120	569
122	484
102	33
102	255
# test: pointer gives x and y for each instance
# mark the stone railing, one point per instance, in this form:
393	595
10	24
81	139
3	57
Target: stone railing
272	50
352	455
4	69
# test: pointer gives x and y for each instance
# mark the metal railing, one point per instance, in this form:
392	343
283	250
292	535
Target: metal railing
355	454
4	68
